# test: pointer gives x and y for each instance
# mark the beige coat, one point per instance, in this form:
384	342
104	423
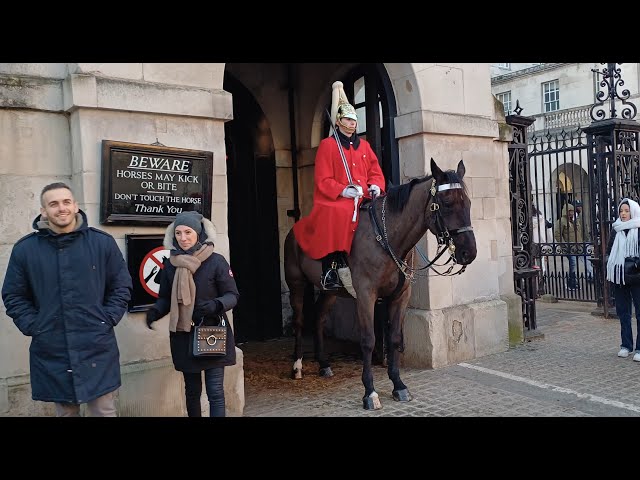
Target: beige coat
567	228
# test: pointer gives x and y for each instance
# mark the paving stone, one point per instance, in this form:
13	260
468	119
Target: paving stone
573	371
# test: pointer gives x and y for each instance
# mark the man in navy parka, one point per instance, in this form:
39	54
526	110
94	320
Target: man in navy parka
67	286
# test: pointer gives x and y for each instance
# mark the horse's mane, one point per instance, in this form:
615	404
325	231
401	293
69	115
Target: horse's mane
398	195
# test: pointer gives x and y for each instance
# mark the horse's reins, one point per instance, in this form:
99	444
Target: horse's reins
408	271
346	167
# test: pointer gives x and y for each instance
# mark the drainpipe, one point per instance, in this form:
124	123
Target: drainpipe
295	212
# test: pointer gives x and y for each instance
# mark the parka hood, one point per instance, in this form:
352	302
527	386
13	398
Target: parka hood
208	234
565	211
42	225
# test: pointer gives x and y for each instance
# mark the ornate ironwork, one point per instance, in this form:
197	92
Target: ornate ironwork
614	154
525	275
560	176
518	109
520	208
557	142
611	80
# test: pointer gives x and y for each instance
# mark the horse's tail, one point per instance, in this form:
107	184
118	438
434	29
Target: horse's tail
291	256
293	273
301	291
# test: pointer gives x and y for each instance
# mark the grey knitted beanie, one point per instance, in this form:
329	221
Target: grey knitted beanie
192	220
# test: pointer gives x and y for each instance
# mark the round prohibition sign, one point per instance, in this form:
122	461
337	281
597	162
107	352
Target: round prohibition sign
150	267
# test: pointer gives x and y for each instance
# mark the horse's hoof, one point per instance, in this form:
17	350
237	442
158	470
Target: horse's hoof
296	374
372	402
402	395
326	372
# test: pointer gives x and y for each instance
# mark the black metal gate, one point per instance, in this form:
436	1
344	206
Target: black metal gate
562	200
565	189
615	154
525	275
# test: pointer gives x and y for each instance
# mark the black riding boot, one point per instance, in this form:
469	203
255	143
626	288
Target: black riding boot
330	279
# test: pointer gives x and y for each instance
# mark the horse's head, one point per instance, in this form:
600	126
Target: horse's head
450	209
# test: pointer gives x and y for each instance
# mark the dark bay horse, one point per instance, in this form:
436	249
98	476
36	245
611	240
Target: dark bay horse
381	245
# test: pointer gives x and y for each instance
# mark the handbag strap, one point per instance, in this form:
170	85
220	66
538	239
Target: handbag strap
221	323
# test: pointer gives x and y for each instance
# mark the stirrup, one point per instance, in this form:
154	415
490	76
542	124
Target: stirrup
329	284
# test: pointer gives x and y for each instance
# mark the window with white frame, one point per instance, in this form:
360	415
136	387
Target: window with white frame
505	98
551	96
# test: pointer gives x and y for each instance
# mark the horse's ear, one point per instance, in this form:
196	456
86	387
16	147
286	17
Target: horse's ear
461	169
435	170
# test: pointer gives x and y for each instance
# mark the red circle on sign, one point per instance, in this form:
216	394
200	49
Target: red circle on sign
153	262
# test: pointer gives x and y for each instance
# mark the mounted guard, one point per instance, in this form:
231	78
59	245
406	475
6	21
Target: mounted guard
381	269
346	171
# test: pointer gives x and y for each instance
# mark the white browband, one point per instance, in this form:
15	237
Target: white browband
448	186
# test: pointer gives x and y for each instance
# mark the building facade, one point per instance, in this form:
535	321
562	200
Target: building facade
557	95
262	124
563	99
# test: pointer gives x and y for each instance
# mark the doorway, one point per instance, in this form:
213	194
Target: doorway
252	218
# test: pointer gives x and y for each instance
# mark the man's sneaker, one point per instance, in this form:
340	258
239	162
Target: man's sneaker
636	357
624	353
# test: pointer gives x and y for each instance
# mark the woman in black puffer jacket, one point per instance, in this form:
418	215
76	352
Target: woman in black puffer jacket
196	284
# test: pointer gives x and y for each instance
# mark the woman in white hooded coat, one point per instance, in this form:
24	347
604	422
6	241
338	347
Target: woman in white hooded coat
623	243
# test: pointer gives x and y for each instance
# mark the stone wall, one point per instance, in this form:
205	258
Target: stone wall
53	118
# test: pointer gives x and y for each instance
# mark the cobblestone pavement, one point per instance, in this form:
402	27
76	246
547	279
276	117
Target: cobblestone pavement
570	370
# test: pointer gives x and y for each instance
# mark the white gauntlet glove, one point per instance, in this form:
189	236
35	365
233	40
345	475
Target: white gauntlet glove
374	191
351	192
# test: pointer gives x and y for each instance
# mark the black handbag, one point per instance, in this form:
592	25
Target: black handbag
208	341
632	271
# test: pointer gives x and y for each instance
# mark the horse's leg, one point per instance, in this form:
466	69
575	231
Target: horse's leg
323	305
296	298
381	328
397	310
366	303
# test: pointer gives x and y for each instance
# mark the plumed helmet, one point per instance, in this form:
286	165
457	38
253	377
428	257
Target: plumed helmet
340	106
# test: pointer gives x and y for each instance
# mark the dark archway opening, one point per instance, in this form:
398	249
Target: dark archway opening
252	218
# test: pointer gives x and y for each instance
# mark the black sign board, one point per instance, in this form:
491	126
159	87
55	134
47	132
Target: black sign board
145	255
150	185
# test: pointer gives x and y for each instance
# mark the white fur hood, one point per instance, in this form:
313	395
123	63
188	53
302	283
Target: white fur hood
208	228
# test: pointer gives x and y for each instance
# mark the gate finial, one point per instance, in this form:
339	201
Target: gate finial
518	108
611	80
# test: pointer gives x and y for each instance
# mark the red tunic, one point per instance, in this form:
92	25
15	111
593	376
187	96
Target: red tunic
329	228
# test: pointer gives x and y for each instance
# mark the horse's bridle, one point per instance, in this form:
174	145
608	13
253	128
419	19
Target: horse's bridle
444	235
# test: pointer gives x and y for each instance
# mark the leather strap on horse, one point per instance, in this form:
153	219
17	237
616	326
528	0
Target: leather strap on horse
376	226
380	234
386	247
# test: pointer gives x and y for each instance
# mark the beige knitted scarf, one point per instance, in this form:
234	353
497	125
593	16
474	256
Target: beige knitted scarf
183	290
